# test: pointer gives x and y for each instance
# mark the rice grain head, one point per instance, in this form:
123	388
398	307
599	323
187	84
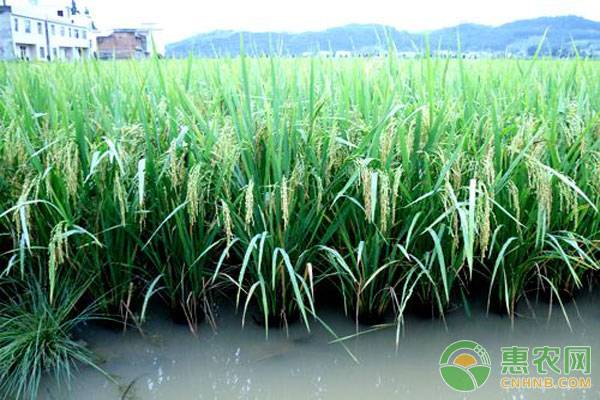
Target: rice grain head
249	204
121	197
176	165
193	193
285	202
387	142
396	191
384	201
228	224
57	253
540	181
365	183
21	214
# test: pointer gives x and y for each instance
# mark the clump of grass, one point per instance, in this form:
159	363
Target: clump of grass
36	338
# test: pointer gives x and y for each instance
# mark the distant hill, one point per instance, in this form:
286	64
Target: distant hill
519	37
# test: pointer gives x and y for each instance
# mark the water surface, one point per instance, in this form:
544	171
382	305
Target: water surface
168	362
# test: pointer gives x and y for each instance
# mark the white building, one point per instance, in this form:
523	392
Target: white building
34	32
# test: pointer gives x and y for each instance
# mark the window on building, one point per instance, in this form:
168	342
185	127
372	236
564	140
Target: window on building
62	31
60	13
39	28
23	51
76	33
70	32
53	29
27	26
42	52
16	24
84	34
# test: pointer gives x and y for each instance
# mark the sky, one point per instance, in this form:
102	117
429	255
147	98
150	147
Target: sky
178	19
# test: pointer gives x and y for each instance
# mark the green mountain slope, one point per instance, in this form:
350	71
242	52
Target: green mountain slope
519	37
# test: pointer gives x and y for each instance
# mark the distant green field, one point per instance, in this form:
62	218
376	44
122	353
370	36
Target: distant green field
382	186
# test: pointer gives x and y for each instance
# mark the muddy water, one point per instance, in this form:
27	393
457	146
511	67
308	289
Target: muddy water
231	363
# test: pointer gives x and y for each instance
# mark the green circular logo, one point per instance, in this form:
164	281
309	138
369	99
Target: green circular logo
465	365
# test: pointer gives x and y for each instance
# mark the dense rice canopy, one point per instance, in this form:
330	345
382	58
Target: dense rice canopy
381	183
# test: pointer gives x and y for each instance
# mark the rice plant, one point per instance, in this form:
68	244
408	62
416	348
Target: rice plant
390	186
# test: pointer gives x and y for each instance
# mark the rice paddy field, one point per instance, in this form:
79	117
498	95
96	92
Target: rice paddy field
378	188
